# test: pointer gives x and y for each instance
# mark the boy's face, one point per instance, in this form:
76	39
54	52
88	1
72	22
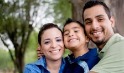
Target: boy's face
74	37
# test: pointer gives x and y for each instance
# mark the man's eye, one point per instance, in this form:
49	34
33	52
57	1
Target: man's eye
87	22
76	31
100	20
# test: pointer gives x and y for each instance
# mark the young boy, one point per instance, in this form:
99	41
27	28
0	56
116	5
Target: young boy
82	58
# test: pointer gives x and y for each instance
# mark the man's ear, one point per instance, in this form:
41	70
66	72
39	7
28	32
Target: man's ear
112	21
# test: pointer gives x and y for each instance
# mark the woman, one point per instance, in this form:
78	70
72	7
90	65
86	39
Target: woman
52	48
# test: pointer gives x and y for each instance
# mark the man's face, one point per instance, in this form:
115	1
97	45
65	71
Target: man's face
97	25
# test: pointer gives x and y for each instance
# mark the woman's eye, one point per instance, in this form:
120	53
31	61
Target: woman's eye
46	42
59	40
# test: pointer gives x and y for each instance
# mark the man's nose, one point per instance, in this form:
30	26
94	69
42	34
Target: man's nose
95	24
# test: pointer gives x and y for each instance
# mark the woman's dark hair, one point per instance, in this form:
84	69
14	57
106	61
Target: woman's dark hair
69	20
44	28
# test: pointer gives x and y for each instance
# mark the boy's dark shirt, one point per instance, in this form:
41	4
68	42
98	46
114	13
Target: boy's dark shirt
91	58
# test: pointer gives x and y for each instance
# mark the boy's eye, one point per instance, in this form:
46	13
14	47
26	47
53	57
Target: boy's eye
66	33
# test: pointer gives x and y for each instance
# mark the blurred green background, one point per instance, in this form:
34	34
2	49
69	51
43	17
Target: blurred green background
20	21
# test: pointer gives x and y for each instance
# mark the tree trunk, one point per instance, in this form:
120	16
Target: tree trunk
117	7
77	7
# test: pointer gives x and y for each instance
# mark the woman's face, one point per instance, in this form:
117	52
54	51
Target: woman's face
52	44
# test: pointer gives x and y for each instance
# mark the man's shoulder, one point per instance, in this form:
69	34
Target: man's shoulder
118	44
116	41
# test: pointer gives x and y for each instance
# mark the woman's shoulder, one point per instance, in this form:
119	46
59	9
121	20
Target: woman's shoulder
31	68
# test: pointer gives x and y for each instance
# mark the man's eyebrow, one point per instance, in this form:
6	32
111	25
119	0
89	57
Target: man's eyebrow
99	15
95	16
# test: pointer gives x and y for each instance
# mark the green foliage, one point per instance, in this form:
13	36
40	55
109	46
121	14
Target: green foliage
62	10
31	55
67	52
5	60
16	20
16	24
33	42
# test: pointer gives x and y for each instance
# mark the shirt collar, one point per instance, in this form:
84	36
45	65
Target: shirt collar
115	38
42	62
89	54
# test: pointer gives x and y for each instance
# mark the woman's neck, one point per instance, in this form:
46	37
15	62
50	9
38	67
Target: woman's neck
53	66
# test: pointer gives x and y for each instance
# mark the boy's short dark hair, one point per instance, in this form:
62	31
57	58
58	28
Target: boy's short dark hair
69	20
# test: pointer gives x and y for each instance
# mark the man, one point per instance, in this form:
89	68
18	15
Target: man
99	25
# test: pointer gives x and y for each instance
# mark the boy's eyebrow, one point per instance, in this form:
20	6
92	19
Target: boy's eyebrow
71	28
65	30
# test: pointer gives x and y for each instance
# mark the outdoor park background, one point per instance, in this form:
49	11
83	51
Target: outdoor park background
20	21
